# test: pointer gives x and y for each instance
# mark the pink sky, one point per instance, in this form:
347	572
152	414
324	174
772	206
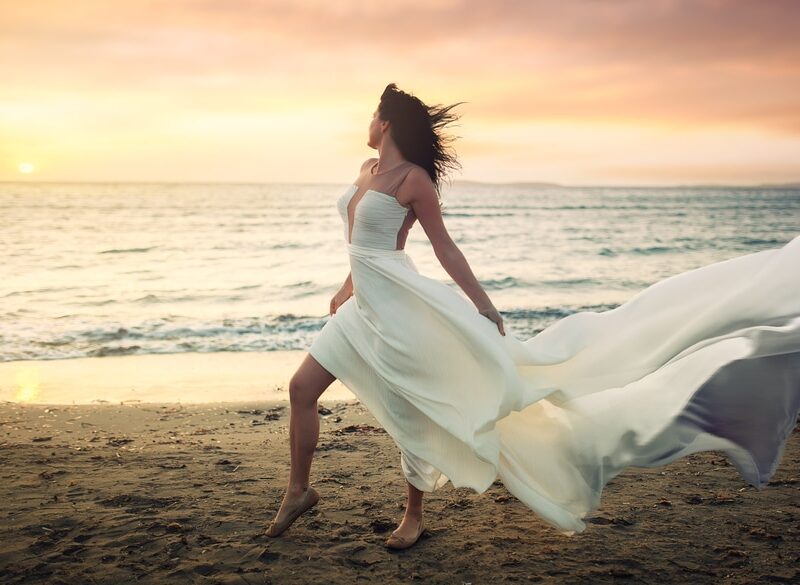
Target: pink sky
644	92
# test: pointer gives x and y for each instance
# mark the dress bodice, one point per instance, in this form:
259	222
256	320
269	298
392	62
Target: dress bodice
379	220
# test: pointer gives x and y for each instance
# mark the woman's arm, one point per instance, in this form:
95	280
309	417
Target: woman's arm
344	293
419	192
453	261
348	283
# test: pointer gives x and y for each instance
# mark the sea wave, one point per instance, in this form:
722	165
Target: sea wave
75	335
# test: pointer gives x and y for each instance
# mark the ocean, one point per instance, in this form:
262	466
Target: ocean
114	269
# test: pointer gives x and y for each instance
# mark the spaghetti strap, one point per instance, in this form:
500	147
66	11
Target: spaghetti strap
395	184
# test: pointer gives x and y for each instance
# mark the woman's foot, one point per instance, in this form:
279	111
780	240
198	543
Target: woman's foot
405	535
292	507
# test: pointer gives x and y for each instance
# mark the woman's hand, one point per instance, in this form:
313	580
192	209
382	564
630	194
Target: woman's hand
340	297
493	315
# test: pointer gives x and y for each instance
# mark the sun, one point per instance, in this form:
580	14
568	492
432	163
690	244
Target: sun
26	168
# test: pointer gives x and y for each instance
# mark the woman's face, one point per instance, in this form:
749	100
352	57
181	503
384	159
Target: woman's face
376	132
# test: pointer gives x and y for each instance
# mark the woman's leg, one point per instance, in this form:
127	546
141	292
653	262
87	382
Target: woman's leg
305	387
413	516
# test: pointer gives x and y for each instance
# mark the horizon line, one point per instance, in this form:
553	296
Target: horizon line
784	185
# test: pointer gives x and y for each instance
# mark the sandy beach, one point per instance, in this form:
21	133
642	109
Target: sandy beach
169	493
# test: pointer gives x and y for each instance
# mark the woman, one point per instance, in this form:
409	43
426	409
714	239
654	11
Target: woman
705	360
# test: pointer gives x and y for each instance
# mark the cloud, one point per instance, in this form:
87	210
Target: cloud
669	64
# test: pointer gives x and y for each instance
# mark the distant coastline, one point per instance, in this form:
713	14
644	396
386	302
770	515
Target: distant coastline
613	186
793	185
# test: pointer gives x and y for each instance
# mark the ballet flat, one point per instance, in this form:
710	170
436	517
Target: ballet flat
400	542
310	500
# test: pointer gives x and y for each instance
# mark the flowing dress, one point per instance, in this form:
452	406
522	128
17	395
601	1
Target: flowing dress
708	359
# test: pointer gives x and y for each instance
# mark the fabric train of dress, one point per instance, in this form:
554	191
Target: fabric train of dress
708	359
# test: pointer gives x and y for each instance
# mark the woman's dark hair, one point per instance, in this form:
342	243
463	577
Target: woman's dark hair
416	129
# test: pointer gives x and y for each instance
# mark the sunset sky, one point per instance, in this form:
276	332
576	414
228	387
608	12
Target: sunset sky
617	92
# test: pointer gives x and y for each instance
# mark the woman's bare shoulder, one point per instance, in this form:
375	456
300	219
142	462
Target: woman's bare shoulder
368	163
365	166
416	186
418	177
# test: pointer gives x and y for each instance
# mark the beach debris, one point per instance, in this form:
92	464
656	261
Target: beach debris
336	445
359	429
231	466
252	411
40	439
48	475
118	442
172	465
274	413
324	411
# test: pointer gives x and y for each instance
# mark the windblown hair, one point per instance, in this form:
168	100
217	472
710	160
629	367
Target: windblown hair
417	131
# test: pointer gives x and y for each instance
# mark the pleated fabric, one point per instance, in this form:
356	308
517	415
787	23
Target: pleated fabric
704	360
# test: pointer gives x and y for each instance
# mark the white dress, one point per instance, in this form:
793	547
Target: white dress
708	359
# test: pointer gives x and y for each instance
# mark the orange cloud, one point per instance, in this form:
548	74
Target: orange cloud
127	83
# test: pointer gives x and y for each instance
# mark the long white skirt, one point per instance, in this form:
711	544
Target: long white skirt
708	359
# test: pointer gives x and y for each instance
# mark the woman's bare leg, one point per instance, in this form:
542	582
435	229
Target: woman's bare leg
305	387
413	516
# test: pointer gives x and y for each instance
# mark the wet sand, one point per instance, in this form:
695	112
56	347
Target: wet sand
167	493
191	377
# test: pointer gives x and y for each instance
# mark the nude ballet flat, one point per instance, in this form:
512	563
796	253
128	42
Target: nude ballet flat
310	499
399	542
